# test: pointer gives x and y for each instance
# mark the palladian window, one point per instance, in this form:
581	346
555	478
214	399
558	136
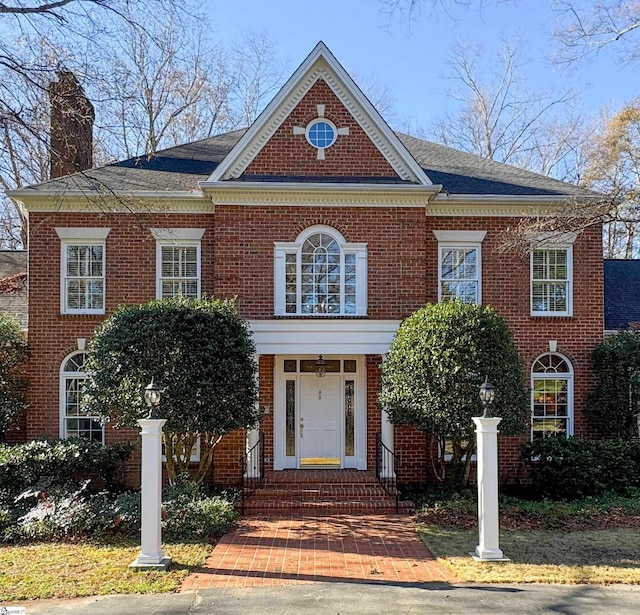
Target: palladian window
320	275
551	397
74	421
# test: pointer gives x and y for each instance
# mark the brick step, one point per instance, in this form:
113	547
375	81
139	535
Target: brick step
337	490
322	494
346	507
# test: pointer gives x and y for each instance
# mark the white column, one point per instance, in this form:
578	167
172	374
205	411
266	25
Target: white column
388	471
253	461
151	554
487	478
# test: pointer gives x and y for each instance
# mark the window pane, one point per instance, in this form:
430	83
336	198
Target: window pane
179	271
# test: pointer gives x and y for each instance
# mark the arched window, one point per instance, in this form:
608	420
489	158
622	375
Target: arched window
551	397
74	422
320	275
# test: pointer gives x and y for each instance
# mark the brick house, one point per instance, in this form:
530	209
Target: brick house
329	228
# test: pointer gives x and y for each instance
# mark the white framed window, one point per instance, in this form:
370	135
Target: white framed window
82	279
74	421
178	258
552	281
551	396
320	274
460	265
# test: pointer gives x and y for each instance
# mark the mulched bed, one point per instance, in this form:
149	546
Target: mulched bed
513	519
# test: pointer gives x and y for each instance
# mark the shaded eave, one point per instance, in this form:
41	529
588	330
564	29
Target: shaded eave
115	202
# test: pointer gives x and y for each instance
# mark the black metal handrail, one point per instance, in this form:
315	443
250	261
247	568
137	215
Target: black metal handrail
387	466
252	469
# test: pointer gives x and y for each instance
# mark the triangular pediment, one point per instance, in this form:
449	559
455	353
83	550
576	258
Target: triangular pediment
278	146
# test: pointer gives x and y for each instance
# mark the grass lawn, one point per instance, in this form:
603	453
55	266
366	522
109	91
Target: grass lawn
69	570
598	556
594	540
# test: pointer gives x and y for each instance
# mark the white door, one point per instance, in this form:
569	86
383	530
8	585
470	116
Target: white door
320	420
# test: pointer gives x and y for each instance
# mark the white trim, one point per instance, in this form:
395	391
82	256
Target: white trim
83	241
552	240
161	243
82	232
177	234
461	240
299	194
549	313
318	120
460	236
569	377
282	249
282	461
63	376
323	336
320	64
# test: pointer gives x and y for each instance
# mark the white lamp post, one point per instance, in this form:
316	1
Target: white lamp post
151	555
488	548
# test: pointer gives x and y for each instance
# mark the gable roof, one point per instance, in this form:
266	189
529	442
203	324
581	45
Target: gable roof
181	168
217	163
319	65
13	285
621	293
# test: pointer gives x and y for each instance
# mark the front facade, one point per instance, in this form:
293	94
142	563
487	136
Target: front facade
329	229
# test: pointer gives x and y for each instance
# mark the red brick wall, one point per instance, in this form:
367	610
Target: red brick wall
237	260
351	155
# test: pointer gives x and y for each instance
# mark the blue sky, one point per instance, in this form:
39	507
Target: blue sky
411	59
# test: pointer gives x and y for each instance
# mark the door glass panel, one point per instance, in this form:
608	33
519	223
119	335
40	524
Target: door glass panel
290	418
349	432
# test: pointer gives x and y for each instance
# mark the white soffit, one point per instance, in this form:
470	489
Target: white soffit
319	64
320	336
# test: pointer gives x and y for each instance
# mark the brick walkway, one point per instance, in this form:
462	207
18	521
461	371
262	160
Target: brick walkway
301	549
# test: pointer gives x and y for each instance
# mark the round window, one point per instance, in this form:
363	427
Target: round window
321	133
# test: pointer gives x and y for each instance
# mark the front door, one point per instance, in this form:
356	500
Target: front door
320	421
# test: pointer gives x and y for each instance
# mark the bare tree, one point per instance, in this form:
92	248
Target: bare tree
614	169
584	29
258	73
501	118
155	78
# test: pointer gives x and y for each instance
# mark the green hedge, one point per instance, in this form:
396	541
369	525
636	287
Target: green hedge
572	468
61	463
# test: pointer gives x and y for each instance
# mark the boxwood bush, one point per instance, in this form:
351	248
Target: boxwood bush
47	464
572	468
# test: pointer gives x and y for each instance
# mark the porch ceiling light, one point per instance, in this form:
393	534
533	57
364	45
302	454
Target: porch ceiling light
152	399
487	395
321	367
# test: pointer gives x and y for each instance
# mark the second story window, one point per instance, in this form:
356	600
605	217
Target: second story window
82	287
459	265
320	275
178	262
551	281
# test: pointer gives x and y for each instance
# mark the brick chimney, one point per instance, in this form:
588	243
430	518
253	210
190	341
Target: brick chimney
71	137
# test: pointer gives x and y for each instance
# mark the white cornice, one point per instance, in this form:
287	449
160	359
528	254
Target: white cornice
125	202
496	205
323	336
345	195
320	64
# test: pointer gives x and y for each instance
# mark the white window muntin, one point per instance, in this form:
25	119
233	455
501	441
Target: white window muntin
551	396
178	262
178	269
83	277
459	272
465	276
82	269
551	286
353	261
74	422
